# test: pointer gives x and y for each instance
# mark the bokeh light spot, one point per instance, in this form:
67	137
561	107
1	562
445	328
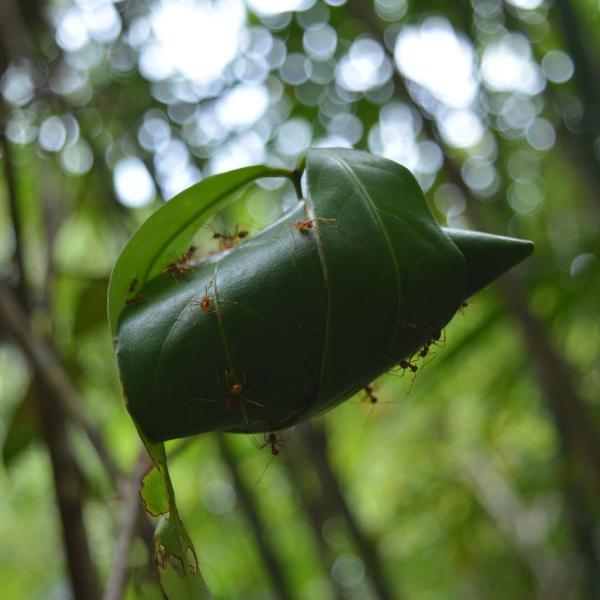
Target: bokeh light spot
557	66
133	183
77	158
541	135
435	57
218	497
293	137
348	570
52	135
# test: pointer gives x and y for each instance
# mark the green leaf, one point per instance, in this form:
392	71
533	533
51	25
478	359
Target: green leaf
167	233
154	493
174	553
342	288
177	563
23	427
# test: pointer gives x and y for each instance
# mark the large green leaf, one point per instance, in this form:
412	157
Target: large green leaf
167	233
347	284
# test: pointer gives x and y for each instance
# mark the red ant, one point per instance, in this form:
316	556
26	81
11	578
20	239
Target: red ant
226	240
135	300
370	394
305	225
435	336
276	443
464	305
180	267
205	302
406	364
233	393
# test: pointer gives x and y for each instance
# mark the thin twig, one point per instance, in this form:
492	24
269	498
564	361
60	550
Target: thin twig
316	445
132	509
15	217
275	569
50	370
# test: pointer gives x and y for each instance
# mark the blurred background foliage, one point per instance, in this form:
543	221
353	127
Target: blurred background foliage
480	477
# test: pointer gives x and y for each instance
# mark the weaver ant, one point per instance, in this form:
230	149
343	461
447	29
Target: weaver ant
305	225
235	392
370	394
204	302
465	304
226	240
406	364
135	300
374	400
276	442
180	267
435	336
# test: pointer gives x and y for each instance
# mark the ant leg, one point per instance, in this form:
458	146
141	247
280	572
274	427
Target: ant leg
265	469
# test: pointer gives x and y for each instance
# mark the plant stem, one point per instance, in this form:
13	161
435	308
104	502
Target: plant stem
132	511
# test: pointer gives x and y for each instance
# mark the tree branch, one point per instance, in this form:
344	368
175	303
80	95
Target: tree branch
316	446
274	568
69	491
50	371
15	217
132	511
315	513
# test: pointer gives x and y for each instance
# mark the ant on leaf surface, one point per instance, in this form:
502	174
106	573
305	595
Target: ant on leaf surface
408	365
227	240
130	290
180	267
305	225
276	442
234	393
135	300
466	304
435	339
204	302
370	397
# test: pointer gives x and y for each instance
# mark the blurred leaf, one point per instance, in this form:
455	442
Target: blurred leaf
91	308
177	562
167	233
144	585
306	313
23	427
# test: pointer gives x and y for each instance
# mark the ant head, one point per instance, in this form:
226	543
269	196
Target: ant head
236	389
